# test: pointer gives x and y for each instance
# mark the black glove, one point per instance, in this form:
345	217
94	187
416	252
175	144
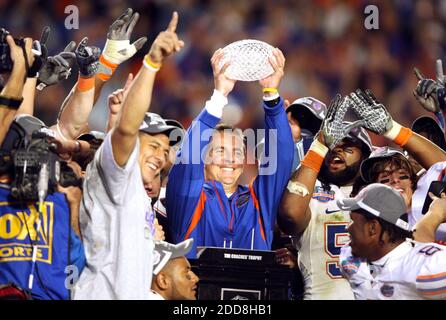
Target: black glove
429	93
58	67
87	59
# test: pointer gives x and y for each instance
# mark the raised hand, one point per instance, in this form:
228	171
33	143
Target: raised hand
222	83
118	48
438	206
87	58
375	115
430	93
334	129
117	97
41	48
277	62
58	67
17	54
166	43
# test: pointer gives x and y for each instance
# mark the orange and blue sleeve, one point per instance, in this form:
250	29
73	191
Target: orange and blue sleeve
186	178
273	176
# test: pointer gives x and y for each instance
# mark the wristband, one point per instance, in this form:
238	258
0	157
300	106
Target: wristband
10	103
106	69
85	84
270	90
149	64
271	98
315	156
399	134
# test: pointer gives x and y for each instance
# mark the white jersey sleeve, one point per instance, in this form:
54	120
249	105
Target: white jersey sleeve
431	278
116	220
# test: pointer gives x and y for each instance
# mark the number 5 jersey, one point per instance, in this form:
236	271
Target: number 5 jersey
320	245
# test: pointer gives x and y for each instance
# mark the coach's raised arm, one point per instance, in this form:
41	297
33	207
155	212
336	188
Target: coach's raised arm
204	198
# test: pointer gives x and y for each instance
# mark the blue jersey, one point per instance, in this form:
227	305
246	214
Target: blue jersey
201	210
57	245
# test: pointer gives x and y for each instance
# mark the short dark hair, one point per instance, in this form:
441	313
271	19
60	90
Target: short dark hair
397	161
395	233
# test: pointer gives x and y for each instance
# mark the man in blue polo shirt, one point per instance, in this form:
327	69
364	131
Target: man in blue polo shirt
204	199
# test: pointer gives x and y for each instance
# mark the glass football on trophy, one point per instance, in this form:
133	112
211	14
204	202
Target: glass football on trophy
248	60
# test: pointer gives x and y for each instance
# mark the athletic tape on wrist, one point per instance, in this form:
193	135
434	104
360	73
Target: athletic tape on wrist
399	134
297	188
106	68
114	49
315	156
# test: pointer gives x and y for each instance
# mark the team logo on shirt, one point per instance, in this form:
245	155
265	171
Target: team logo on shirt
242	200
322	195
350	266
387	291
19	232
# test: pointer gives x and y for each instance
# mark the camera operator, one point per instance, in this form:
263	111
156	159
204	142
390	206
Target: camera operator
11	95
38	237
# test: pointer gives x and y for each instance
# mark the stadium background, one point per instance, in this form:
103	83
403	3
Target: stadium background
327	47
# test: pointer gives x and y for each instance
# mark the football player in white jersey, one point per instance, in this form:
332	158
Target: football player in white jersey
391	167
312	216
321	236
380	262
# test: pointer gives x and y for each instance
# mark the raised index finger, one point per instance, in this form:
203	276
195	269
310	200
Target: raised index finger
128	82
172	27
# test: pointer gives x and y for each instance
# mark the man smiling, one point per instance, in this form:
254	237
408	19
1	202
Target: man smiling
204	198
154	149
380	262
116	217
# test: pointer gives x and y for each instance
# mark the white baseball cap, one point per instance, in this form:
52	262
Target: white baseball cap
165	251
